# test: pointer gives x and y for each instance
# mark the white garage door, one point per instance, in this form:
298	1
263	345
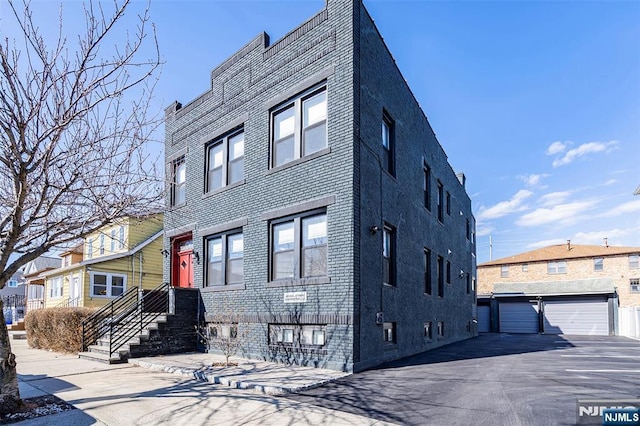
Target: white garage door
484	319
518	317
577	317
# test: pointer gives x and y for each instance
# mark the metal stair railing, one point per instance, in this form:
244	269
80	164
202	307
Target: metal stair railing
151	305
96	325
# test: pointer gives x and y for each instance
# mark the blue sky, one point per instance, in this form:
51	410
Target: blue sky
537	102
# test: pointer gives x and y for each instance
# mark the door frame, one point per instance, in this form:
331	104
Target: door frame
176	244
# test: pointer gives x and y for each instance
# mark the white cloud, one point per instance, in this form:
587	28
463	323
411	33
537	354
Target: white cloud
557	148
582	150
610	182
613	236
484	230
628	207
503	208
562	213
532	179
545	243
553	198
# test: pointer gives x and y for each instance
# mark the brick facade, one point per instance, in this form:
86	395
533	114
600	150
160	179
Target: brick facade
616	267
338	49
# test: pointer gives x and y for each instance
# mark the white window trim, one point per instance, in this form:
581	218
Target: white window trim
226	162
55	283
109	276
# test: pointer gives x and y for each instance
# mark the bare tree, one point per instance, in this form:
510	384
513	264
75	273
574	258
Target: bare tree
223	332
74	126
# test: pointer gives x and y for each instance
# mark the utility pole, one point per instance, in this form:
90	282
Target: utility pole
490	248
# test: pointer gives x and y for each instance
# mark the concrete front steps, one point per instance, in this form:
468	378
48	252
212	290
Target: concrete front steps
100	350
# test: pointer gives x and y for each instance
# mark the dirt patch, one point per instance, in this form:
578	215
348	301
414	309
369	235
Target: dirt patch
37	407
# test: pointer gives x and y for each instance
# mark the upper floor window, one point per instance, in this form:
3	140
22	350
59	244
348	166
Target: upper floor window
299	127
388	143
598	264
468	281
525	267
121	238
440	276
12	283
389	255
427	187
440	201
179	181
113	240
225	161
634	284
448	272
634	261
225	259
440	328
468	230
101	244
427	332
557	267
90	248
448	203
504	271
299	247
427	271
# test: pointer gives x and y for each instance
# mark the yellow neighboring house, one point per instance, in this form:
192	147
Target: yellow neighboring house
119	256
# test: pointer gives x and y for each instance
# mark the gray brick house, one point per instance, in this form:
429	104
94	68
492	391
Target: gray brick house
309	196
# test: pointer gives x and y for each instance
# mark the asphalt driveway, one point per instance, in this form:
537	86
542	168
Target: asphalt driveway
495	379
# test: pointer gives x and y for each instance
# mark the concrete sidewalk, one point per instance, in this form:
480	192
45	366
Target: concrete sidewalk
173	390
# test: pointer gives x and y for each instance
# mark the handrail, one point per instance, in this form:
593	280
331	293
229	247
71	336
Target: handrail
150	306
95	325
126	317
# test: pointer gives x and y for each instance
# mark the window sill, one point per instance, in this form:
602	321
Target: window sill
178	207
218	288
224	188
298	161
298	282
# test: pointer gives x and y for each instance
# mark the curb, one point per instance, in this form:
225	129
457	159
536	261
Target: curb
232	382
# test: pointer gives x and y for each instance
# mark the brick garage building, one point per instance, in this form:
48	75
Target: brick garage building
565	288
310	197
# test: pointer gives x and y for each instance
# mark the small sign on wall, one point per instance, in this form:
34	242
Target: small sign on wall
295	297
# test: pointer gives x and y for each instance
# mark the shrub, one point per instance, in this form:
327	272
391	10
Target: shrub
57	329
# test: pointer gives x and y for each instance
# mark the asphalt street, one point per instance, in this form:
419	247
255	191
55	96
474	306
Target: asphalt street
495	379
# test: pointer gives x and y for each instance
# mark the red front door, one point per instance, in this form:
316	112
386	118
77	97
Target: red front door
183	263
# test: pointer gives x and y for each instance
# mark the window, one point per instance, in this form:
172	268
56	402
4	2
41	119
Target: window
504	271
525	267
113	240
468	230
299	247
427	271
440	276
223	331
225	259
468	282
389	332
557	267
440	328
179	180
55	287
427	187
299	128
305	335
388	255
448	272
90	248
101	243
107	285
427	331
12	283
225	161
388	143
448	203
121	238
634	284
598	264
634	261
440	201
